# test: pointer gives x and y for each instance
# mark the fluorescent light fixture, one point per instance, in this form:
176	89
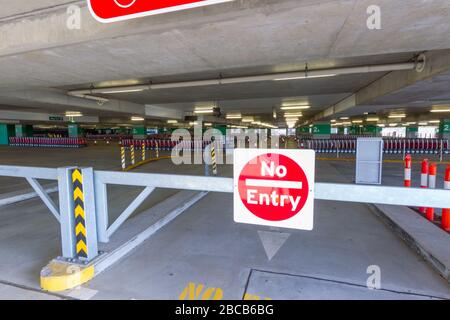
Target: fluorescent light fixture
397	116
381	125
204	111
423	123
357	121
439	110
137	119
234	116
410	123
333	121
434	121
172	121
305	77
295	108
373	119
121	91
207	124
393	124
73	114
248	119
293	115
347	123
344	118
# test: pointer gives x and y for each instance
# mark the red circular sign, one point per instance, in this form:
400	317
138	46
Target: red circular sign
273	187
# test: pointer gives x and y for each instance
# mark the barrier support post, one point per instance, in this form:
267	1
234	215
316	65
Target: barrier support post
133	156
143	150
78	232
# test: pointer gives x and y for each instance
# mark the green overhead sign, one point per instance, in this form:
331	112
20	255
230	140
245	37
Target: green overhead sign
55	118
321	128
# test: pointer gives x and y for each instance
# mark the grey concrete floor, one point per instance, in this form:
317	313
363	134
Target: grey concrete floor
205	246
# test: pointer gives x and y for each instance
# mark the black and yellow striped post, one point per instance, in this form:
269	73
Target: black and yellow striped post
157	150
213	159
143	150
80	215
123	158
133	156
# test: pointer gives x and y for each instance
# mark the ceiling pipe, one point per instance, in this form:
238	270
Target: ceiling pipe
89	93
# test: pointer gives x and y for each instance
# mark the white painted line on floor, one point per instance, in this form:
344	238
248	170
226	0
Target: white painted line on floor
82	293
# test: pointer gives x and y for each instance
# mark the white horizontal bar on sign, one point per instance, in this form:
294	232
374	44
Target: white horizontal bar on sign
166	181
400	196
29	172
273	184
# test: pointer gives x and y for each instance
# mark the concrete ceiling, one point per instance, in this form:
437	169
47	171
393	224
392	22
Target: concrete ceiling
40	58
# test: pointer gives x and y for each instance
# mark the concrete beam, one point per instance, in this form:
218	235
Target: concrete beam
45	117
159	112
59	98
436	63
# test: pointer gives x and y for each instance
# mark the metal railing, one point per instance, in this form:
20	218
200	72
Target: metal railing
98	228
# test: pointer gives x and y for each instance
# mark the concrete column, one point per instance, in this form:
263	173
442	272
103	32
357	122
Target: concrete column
23	130
6	131
74	130
139	132
321	130
444	129
412	131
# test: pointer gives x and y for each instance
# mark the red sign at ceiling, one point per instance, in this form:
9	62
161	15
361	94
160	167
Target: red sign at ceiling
118	10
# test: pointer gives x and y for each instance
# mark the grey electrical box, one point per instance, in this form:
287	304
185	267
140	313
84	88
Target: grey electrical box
369	160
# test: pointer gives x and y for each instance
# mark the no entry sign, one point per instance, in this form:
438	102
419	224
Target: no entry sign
274	187
118	10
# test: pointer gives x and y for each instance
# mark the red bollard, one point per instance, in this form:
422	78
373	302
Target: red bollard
408	161
446	212
424	180
432	185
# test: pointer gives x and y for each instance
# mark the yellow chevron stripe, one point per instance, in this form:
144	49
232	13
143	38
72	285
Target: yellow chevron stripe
81	246
77	176
80	229
79	212
78	194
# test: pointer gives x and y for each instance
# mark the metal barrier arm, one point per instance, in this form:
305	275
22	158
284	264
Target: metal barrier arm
399	196
31	172
166	181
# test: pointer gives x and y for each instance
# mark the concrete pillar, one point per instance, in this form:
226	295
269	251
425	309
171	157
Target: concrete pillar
412	131
6	131
23	130
139	132
74	130
444	129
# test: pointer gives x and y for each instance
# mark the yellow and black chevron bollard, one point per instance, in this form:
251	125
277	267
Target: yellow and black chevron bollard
80	215
213	159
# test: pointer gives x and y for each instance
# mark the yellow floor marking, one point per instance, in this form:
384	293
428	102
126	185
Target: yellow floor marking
196	292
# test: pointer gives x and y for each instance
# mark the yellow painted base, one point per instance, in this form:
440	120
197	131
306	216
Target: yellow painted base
60	276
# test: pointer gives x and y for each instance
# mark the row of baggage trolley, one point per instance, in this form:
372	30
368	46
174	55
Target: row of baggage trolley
47	142
391	146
